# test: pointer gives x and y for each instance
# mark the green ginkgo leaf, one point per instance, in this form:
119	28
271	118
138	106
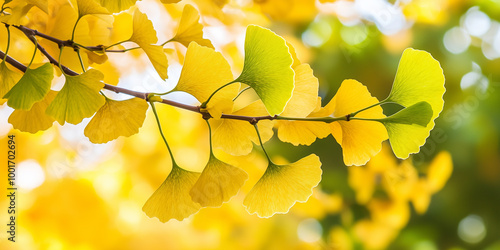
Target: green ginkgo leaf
419	79
31	88
78	99
8	79
407	129
267	68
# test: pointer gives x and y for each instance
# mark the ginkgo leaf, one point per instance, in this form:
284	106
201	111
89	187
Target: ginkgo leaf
419	78
41	4
235	137
89	7
302	132
305	94
115	119
31	88
190	30
204	71
171	200
283	185
35	119
360	140
79	98
218	182
267	68
17	13
408	127
144	35
115	6
8	79
399	182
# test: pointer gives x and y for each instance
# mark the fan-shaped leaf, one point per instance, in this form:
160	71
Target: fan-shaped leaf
78	99
31	88
190	30
8	79
35	119
267	68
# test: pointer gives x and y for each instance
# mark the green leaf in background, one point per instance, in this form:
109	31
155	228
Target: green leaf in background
408	129
79	98
419	78
267	68
31	88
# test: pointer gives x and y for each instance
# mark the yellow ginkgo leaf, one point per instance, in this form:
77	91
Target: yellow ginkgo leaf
283	185
171	200
17	12
218	182
204	71
115	119
8	79
235	137
400	182
115	6
35	119
391	213
190	30
31	88
89	7
144	35
421	196
360	140
302	132
78	99
41	4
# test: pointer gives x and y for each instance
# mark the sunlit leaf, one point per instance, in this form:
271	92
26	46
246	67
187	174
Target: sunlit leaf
115	6
41	4
360	140
267	68
190	30
235	137
171	200
115	119
31	88
218	182
16	13
439	171
283	185
8	79
89	7
79	98
35	119
419	78
305	94
407	127
204	71
144	35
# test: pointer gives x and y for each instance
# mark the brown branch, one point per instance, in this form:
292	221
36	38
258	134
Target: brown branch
137	94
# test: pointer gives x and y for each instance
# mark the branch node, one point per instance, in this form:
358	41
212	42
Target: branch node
253	121
348	117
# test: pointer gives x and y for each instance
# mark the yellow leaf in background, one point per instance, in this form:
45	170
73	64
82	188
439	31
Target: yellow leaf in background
115	6
115	119
79	98
360	140
291	49
204	71
394	214
17	13
190	30
421	196
169	1
439	171
122	27
235	137
31	88
374	235
400	181
41	4
171	200
35	119
112	75
362	181
283	185
89	7
218	182
8	79
144	35
96	57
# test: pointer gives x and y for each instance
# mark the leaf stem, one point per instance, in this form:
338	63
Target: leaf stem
34	53
161	133
59	61
369	107
8	41
114	44
74	28
241	92
80	58
204	104
163	44
262	144
210	137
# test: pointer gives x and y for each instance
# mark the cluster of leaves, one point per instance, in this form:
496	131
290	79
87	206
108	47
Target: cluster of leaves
288	101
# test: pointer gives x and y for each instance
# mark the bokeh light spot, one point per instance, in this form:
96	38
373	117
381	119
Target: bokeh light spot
309	230
30	175
456	40
471	229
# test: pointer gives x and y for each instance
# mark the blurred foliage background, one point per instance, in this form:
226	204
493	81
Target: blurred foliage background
78	195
